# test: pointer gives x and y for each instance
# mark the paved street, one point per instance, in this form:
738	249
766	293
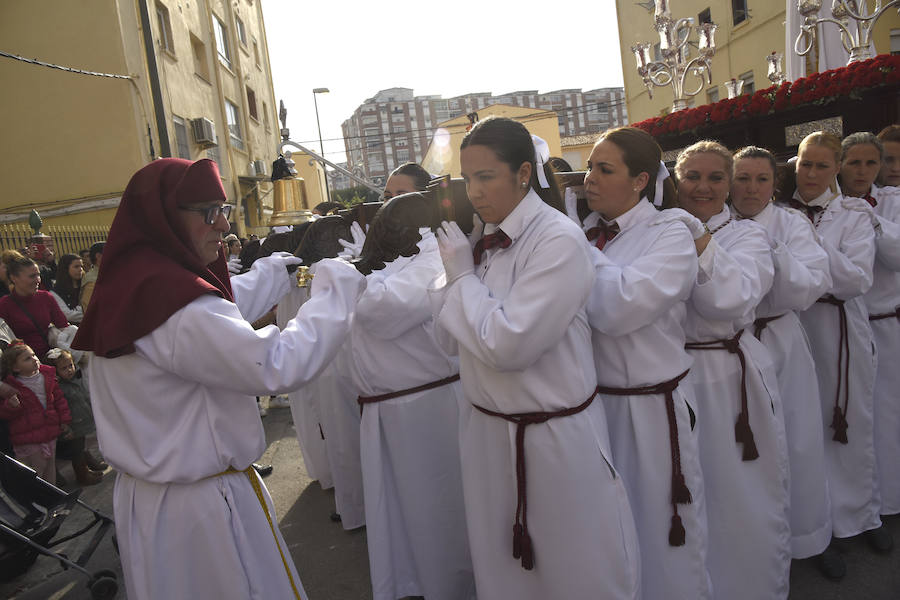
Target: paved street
333	563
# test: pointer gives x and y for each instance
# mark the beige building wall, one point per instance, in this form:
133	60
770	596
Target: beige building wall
740	48
313	175
71	141
442	156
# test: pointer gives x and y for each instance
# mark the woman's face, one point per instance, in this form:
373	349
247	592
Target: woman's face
397	185
816	169
76	269
703	185
4	276
494	189
859	169
27	280
65	368
752	186
890	168
608	186
26	363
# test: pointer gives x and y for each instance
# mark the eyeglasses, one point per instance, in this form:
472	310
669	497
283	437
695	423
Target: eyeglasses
210	213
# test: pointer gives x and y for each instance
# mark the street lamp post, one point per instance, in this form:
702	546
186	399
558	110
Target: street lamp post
317	91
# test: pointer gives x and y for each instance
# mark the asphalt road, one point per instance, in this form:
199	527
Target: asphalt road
333	564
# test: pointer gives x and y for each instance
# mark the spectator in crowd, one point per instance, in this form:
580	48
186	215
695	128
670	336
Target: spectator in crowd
890	166
29	311
85	259
233	253
90	278
4	279
38	413
46	262
67	290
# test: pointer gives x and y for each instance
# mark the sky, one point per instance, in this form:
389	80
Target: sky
356	48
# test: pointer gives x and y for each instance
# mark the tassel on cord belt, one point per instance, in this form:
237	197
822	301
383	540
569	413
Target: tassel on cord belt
892	315
363	400
761	323
743	433
680	492
839	417
522	545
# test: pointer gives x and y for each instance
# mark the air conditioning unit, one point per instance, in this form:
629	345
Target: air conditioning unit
204	132
259	168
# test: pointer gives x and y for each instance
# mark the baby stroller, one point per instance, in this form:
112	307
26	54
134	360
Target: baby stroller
31	513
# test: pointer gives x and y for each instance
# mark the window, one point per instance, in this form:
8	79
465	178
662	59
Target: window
181	138
222	42
399	129
234	124
251	103
739	11
201	67
256	54
213	154
166	42
266	116
704	16
402	155
895	41
747	78
242	33
712	95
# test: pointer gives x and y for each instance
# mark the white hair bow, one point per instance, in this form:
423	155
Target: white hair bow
661	177
541	156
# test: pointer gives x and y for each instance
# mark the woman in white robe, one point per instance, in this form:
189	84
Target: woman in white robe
739	416
519	321
840	336
801	277
645	274
862	157
409	436
174	406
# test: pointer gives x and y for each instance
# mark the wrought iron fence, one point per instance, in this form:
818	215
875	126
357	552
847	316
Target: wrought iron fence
67	239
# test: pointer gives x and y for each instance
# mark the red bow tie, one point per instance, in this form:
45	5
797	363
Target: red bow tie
809	209
491	240
603	232
871	200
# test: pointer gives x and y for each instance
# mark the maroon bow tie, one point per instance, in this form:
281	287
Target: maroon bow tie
603	232
871	200
497	239
809	209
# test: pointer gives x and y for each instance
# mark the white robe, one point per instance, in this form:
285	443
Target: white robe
801	277
179	411
636	309
416	520
305	410
883	298
849	239
524	345
746	501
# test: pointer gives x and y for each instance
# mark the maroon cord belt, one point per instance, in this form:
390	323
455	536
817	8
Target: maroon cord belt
363	400
522	545
743	433
680	492
839	417
761	323
891	315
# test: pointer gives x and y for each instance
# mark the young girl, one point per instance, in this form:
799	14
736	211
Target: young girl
38	413
88	470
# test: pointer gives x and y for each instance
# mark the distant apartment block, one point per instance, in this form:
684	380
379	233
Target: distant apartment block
395	127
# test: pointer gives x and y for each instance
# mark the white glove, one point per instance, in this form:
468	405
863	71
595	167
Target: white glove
694	225
353	249
234	265
285	259
863	207
455	251
334	272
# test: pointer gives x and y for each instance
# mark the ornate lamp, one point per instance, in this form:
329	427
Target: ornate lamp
734	87
675	66
775	74
852	17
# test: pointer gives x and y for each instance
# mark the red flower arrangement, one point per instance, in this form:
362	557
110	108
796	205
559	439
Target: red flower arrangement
818	88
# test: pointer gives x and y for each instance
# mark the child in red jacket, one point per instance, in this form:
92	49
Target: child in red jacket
38	413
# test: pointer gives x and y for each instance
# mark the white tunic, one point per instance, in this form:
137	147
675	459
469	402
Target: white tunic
524	345
801	277
884	298
305	409
849	239
637	307
416	520
746	501
180	410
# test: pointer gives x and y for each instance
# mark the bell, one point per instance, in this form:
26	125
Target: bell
291	204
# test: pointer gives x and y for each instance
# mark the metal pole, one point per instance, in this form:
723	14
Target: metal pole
321	146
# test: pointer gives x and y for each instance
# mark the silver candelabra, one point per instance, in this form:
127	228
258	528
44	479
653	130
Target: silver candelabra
853	19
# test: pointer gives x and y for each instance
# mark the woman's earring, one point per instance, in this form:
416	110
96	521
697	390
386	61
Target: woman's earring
524	184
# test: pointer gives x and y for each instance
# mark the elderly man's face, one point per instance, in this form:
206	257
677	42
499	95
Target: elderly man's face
203	239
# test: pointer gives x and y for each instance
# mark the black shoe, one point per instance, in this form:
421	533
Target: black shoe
336	518
263	470
880	540
831	564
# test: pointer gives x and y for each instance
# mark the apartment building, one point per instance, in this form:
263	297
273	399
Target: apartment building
395	126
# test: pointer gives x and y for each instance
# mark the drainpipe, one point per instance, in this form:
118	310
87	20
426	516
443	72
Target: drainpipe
164	148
